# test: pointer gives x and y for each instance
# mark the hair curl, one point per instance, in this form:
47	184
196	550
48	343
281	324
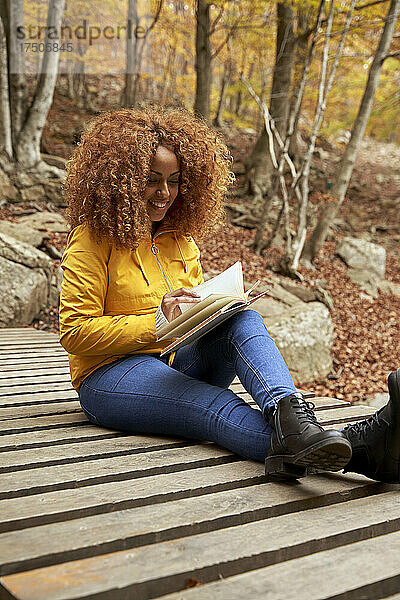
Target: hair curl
109	168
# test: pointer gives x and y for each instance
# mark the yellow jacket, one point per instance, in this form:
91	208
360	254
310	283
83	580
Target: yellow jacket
109	297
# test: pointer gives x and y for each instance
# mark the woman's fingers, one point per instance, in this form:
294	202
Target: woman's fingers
171	301
182	292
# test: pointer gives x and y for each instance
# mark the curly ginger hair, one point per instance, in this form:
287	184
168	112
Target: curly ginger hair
108	171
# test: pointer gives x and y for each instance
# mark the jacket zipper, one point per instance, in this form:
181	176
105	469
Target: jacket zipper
155	251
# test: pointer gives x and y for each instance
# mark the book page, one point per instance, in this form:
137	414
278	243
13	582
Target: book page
192	310
221	303
209	323
227	283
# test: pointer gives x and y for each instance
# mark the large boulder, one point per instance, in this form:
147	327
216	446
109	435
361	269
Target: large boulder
303	331
23	293
26	276
362	255
46	221
366	280
8	191
23	233
17	185
23	254
388	287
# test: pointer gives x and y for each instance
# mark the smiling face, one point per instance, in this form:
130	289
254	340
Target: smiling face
163	184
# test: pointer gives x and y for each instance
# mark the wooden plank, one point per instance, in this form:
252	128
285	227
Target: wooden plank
35	334
21	425
325	402
24	459
22	328
236	386
57	506
52	437
142	462
47	456
27	382
365	570
17	330
38	398
330	413
17	412
10	339
22	339
344	415
25	374
40	387
155	569
46	545
35	354
29	347
22	365
72	503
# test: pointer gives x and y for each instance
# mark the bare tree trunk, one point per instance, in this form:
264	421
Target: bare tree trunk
299	238
169	74
258	245
5	116
131	55
28	146
260	158
70	80
18	90
203	60
134	53
347	163
238	101
224	81
325	87
285	47
78	78
264	80
302	36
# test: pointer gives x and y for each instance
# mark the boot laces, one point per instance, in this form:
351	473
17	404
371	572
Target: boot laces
305	411
361	428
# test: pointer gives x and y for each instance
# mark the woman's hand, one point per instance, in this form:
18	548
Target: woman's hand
171	300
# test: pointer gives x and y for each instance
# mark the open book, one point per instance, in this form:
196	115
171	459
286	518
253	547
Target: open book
221	297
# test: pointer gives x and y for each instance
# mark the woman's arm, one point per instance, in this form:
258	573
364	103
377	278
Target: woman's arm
84	329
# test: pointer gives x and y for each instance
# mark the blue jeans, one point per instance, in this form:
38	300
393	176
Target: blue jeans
140	393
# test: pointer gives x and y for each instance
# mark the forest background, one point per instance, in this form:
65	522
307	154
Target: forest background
305	94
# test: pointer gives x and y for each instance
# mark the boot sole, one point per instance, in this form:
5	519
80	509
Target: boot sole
323	455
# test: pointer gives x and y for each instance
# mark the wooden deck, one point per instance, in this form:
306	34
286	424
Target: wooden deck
90	513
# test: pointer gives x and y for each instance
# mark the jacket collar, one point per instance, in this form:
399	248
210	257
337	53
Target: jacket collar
163	228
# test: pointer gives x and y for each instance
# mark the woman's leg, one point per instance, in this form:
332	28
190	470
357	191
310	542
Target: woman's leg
239	346
142	394
242	345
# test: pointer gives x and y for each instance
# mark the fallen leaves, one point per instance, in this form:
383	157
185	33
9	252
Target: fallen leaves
367	339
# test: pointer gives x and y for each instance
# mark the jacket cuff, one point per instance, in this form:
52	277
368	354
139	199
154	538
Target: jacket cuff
161	319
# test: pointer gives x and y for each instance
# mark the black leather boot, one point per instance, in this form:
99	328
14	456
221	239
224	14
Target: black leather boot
299	445
376	440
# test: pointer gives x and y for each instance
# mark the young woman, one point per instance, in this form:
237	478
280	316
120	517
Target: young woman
141	185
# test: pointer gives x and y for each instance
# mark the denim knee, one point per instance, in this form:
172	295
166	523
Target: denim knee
246	318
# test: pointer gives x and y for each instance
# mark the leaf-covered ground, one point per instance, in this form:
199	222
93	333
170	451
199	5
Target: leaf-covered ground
367	339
